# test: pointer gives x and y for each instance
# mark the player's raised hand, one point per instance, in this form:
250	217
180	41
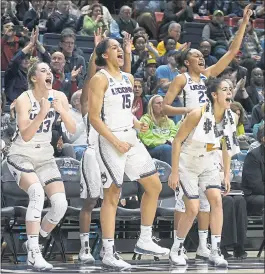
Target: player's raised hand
57	105
123	147
45	106
127	43
247	13
99	36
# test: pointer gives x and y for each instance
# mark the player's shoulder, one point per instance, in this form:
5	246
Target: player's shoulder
129	76
23	98
58	94
180	79
100	77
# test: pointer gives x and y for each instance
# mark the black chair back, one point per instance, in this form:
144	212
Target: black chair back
69	169
192	32
11	193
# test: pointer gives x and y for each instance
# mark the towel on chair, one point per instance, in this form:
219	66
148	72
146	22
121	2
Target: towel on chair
207	131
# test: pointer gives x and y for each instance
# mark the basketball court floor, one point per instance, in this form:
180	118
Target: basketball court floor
250	265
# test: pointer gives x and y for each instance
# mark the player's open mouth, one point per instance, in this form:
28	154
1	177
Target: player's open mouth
120	56
201	64
48	81
229	100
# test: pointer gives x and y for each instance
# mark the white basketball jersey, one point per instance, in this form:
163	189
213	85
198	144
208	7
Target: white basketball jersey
117	104
44	135
194	94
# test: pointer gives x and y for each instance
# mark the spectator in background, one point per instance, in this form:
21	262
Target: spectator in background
150	84
8	121
253	177
7	13
140	102
161	132
107	18
61	18
72	58
260	11
256	126
177	11
144	12
79	139
240	72
217	33
49	7
33	16
21	8
257	115
174	31
16	73
65	82
235	8
256	88
205	49
250	46
238	109
149	45
125	22
139	54
165	75
170	46
9	43
199	7
93	20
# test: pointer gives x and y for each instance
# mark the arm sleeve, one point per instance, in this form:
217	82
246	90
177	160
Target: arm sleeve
71	138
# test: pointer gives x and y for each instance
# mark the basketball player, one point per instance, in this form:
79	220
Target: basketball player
194	95
118	150
90	173
194	164
31	159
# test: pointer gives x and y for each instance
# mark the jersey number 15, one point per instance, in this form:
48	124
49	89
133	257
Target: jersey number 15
126	101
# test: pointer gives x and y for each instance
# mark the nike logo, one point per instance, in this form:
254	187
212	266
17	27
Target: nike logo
32	263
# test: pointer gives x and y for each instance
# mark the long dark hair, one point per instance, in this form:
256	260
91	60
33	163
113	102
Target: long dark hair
101	49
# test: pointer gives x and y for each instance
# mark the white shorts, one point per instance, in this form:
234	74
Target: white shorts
136	163
198	171
90	182
38	160
180	205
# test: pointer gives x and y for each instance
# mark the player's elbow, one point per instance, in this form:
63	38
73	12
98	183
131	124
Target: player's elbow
72	128
26	137
164	107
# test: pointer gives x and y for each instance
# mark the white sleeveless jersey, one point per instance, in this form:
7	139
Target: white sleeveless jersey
194	94
44	135
116	111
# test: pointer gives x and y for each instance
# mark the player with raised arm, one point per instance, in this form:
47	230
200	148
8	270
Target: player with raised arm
31	159
119	151
194	164
192	85
90	174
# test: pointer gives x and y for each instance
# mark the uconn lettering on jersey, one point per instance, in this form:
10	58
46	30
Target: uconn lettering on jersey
197	87
121	90
49	115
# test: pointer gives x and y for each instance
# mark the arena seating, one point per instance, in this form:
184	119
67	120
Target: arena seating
192	32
